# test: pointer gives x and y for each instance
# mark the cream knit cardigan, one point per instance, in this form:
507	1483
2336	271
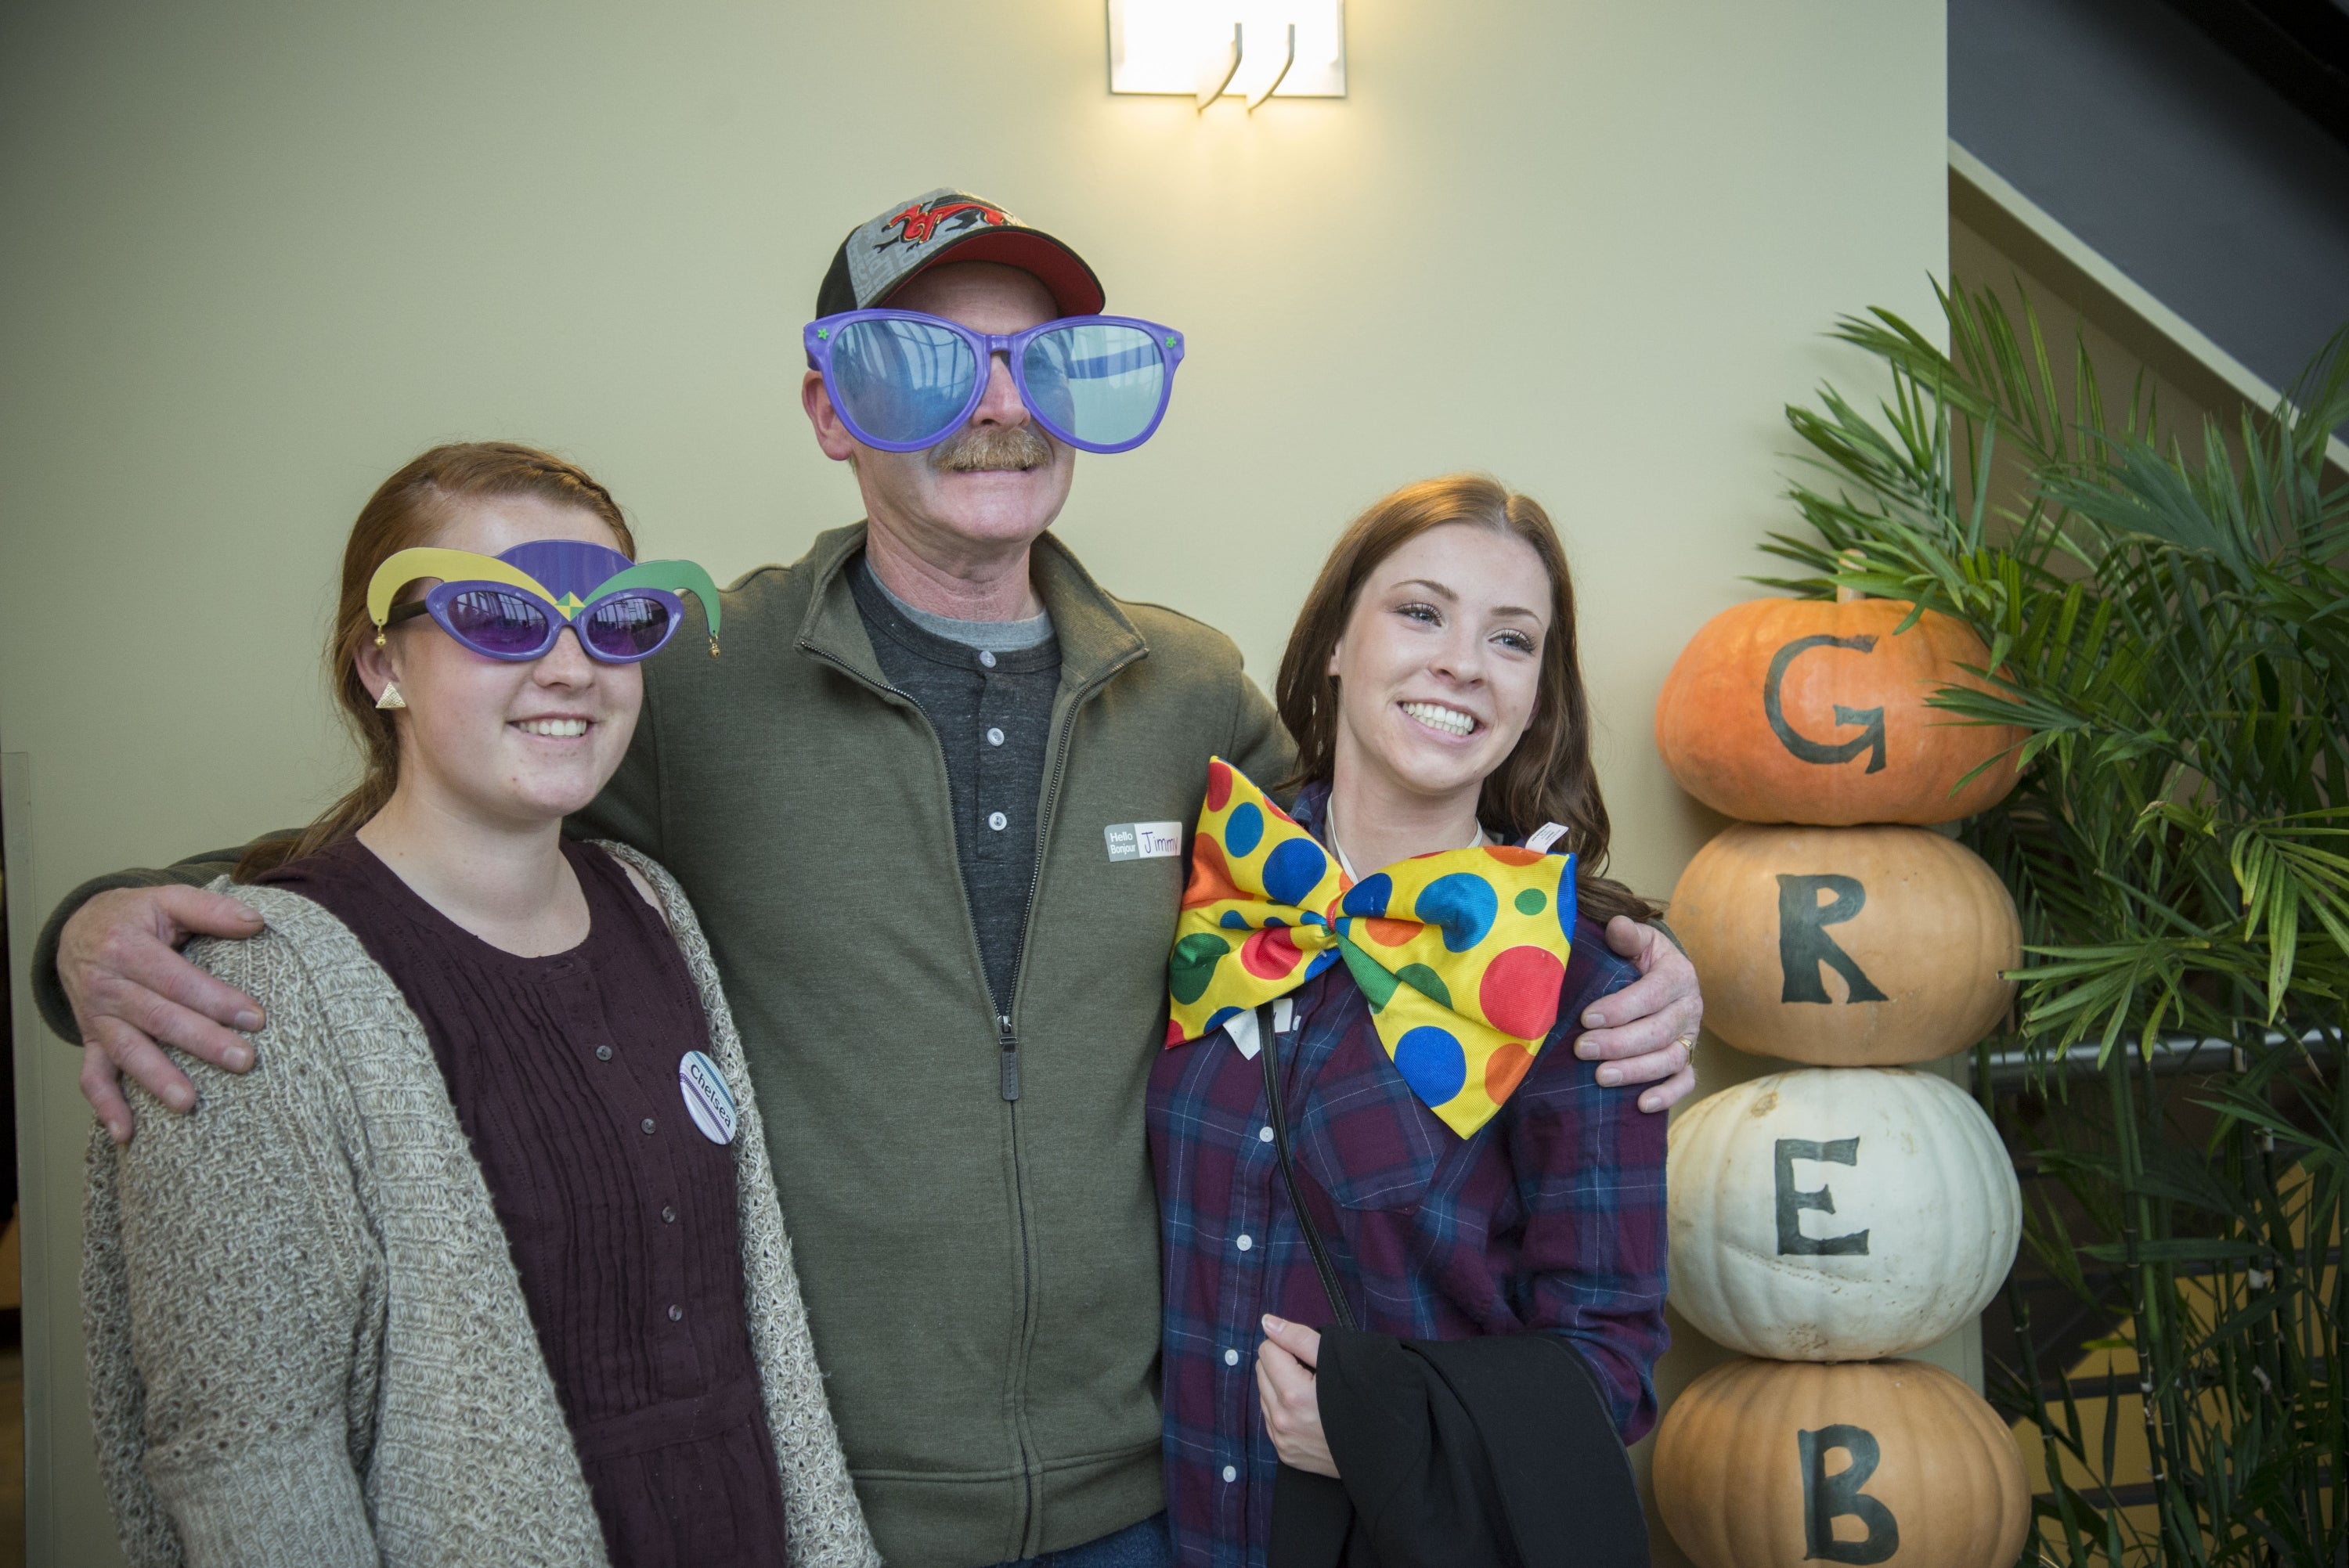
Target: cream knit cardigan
307	1343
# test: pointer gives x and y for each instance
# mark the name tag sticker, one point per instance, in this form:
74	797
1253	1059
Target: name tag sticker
1143	841
706	1097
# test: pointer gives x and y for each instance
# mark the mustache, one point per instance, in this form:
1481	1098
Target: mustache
987	449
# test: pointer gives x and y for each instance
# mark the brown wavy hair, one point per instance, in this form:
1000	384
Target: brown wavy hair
1548	777
406	510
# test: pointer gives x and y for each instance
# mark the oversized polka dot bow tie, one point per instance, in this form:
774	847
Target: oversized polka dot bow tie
1461	953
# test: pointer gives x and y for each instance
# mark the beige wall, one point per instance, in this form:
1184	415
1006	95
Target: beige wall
256	256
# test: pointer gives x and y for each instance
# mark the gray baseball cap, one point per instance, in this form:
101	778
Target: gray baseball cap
910	237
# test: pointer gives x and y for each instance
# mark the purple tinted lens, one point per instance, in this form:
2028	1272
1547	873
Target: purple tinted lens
625	627
497	622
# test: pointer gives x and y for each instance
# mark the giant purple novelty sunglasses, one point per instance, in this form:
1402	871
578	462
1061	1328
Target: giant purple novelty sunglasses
903	381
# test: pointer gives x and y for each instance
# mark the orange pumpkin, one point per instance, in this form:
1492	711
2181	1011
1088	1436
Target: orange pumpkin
1801	710
1846	946
1774	1464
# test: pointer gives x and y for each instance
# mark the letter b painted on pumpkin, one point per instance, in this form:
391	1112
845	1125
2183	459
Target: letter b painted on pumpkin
1828	1498
1804	944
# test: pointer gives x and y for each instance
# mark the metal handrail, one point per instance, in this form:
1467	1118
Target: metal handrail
2011	1067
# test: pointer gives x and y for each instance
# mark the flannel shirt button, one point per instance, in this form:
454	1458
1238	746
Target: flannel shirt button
994	736
668	1214
1264	1135
1231	1357
603	1053
675	1314
998	820
986	657
1244	1243
648	1125
1230	1473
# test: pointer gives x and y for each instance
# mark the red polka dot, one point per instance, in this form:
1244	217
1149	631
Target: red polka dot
1219	785
1390	932
1211	879
1173	1034
1270	954
1519	992
1513	854
1505	1070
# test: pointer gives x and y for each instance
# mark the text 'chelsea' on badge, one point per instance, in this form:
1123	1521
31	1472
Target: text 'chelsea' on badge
706	1097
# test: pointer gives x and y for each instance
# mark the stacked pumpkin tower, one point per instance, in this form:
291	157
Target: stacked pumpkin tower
1828	1219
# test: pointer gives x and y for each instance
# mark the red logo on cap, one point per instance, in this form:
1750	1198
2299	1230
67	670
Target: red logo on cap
923	224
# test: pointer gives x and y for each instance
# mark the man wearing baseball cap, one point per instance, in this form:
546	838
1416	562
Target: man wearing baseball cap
929	807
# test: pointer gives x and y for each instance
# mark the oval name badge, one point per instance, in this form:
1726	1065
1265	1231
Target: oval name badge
706	1097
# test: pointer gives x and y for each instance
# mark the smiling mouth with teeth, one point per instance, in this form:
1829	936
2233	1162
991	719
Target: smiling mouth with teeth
1436	716
557	729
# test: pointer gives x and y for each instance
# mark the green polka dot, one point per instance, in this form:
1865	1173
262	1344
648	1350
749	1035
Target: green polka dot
1194	964
1533	900
1425	981
1378	986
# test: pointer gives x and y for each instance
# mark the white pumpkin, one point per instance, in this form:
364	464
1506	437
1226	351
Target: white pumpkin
1838	1213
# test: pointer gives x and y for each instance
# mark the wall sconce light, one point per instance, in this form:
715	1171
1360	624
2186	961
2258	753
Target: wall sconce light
1207	49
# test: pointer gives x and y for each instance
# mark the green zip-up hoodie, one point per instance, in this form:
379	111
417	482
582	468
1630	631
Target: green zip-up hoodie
981	1274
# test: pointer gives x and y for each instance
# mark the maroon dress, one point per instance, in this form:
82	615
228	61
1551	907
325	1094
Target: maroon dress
620	1214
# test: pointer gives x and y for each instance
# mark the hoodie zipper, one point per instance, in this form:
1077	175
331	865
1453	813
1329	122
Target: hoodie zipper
1007	1038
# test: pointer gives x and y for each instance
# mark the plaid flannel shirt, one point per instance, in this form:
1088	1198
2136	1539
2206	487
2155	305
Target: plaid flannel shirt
1550	1220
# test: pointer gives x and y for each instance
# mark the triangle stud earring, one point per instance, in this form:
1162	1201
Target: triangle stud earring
390	697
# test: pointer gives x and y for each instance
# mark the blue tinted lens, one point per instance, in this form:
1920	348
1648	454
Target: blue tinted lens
902	380
625	626
1101	383
498	623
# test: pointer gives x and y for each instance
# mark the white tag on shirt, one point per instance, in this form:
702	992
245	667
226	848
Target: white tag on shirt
1552	833
707	1100
1242	1027
1143	841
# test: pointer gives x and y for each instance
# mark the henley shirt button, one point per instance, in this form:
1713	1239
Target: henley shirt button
603	1053
1231	1357
676	1314
1244	1243
986	657
668	1214
648	1127
994	736
1230	1473
998	820
1264	1135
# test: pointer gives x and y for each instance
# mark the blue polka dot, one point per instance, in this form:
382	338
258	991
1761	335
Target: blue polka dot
1243	831
1369	896
1432	1063
1463	904
1293	871
1233	920
1313	919
1274	922
1221	1017
1566	896
1321	960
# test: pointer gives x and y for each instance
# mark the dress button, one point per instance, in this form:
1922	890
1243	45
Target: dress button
986	657
994	736
1231	1357
648	1127
998	820
1244	1243
668	1214
1230	1473
676	1314
1264	1135
603	1053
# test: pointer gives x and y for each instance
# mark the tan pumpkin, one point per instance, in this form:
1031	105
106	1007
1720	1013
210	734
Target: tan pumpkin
1846	946
1803	710
1775	1464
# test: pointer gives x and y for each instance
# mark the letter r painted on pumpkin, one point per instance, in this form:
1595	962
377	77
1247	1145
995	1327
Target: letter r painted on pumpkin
1828	1498
1805	750
1794	1202
1804	944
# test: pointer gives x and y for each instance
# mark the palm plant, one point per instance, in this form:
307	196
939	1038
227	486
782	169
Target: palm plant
2169	628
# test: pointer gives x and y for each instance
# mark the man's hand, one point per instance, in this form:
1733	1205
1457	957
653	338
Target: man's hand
1647	1029
1292	1405
132	993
